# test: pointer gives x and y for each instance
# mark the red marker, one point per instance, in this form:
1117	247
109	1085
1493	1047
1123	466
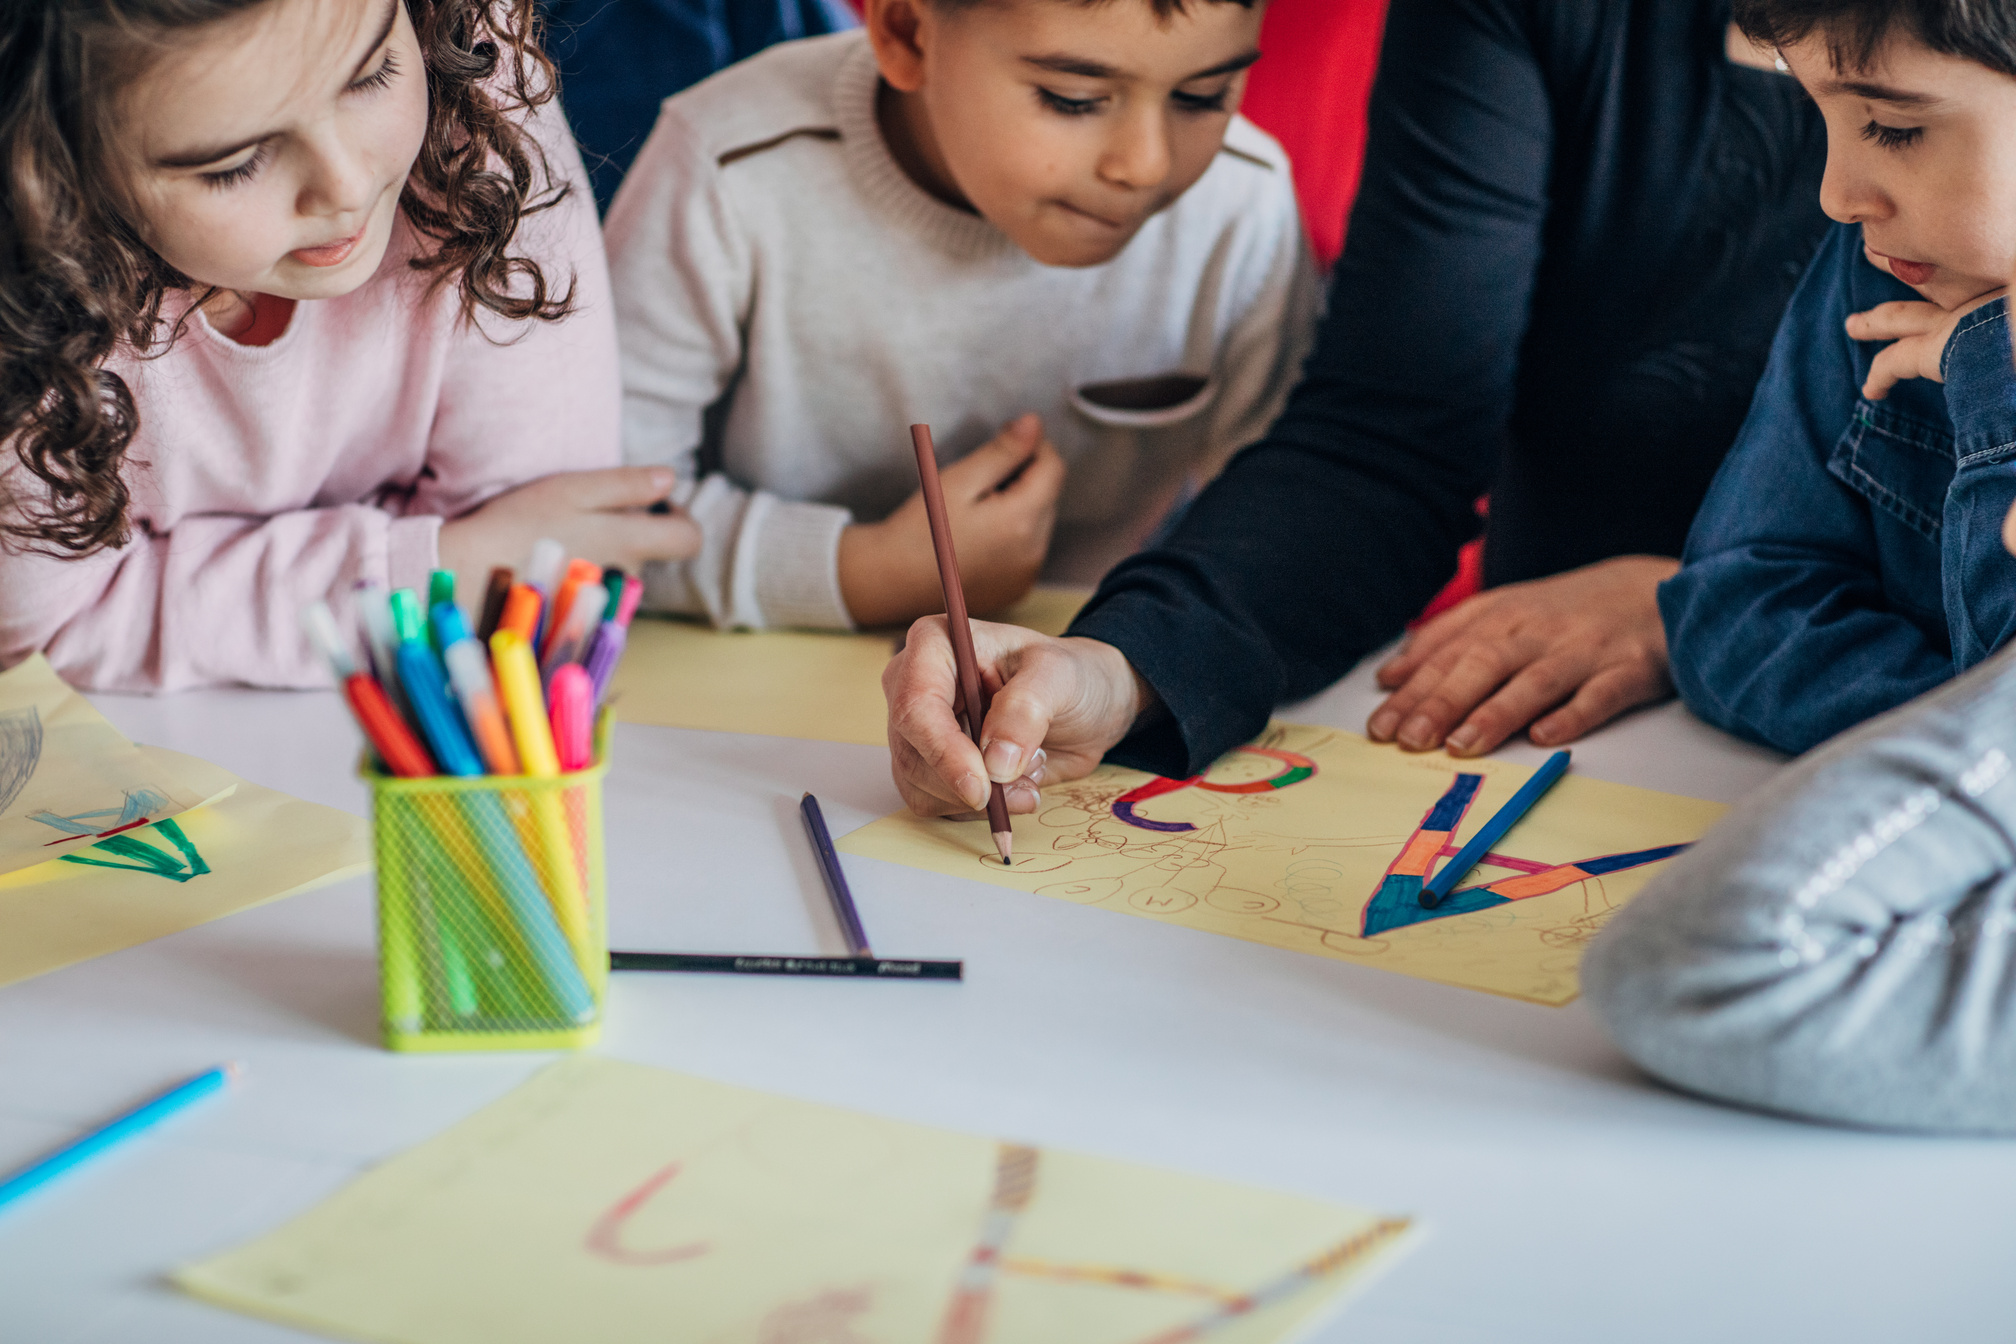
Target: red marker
390	737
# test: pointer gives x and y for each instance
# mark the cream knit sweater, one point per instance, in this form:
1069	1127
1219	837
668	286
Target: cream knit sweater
789	301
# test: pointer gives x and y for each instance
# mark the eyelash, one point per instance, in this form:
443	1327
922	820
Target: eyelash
244	172
379	78
247	170
1892	137
1083	107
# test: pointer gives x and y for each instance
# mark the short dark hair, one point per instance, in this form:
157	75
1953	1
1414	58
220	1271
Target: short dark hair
1982	31
1163	8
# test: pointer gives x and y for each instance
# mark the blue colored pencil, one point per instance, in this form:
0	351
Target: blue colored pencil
1435	892
109	1135
836	878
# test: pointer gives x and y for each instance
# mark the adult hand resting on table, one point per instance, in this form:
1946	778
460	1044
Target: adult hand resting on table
1059	705
1586	645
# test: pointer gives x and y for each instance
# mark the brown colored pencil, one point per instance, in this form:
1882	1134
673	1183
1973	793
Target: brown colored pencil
960	626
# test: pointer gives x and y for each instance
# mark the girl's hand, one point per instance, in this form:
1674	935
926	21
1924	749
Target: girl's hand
1917	333
1058	705
1001	500
599	516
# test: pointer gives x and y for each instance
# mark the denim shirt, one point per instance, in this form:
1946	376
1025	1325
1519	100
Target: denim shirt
1849	555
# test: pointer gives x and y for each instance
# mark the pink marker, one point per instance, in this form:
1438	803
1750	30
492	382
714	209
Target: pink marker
572	696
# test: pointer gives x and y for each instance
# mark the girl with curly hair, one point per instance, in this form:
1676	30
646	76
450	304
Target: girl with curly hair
293	293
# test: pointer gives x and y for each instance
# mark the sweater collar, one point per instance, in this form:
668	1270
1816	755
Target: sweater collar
882	180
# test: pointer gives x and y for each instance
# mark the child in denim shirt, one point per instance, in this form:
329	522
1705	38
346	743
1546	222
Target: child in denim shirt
1843	947
1847	557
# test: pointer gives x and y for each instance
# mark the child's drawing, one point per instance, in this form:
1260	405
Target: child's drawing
1319	841
20	751
622	1204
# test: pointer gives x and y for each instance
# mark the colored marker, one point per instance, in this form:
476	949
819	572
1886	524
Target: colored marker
584	621
1434	892
501	579
440	722
440	589
542	572
115	1132
374	609
327	638
518	684
580	576
385	730
573	698
469	673
521	612
606	650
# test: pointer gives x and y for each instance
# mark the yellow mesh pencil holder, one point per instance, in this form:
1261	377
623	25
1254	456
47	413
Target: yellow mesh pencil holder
492	932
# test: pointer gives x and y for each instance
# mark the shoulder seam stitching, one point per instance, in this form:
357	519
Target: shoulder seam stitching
726	157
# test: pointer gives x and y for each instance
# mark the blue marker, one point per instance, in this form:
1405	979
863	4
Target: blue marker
1433	893
426	683
141	1118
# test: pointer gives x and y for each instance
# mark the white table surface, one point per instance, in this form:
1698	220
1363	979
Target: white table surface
1569	1199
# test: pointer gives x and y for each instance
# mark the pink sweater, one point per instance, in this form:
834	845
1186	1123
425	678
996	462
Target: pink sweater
266	477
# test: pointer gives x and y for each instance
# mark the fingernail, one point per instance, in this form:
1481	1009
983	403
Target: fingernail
1004	761
662	478
1382	725
973	790
1038	761
1463	739
1418	733
1022	798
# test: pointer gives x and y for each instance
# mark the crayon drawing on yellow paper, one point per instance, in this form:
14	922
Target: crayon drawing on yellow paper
821	685
250	846
1319	841
614	1202
68	778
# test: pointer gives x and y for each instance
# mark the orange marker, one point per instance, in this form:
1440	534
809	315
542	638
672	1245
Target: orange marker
521	611
579	574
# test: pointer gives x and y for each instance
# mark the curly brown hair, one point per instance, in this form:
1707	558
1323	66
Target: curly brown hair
77	282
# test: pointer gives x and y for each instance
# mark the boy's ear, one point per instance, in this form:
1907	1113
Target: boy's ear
897	31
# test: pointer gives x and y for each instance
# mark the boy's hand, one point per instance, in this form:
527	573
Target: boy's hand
1058	705
599	516
1001	500
1587	645
1917	333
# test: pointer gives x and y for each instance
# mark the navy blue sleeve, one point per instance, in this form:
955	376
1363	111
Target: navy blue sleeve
1980	574
1317	544
1810	597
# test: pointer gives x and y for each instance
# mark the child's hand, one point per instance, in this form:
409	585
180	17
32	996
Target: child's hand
1002	502
597	515
1918	333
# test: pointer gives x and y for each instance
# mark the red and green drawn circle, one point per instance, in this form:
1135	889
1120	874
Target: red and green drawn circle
1295	768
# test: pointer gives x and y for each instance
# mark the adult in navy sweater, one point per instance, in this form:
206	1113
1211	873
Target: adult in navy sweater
1578	227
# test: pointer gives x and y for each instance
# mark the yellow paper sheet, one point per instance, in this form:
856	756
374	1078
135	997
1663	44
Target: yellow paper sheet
612	1202
258	845
66	774
781	683
1306	865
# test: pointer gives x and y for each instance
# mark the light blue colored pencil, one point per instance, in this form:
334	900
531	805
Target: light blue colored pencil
115	1132
1437	891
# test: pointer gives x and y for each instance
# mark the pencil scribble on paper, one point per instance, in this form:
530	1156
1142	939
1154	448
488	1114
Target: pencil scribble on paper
20	752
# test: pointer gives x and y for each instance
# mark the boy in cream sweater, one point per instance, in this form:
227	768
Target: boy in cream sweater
1038	214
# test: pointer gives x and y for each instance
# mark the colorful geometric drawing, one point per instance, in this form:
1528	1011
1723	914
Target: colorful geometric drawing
1397	903
1295	768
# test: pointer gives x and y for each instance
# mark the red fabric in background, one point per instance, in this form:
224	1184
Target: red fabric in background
1310	94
